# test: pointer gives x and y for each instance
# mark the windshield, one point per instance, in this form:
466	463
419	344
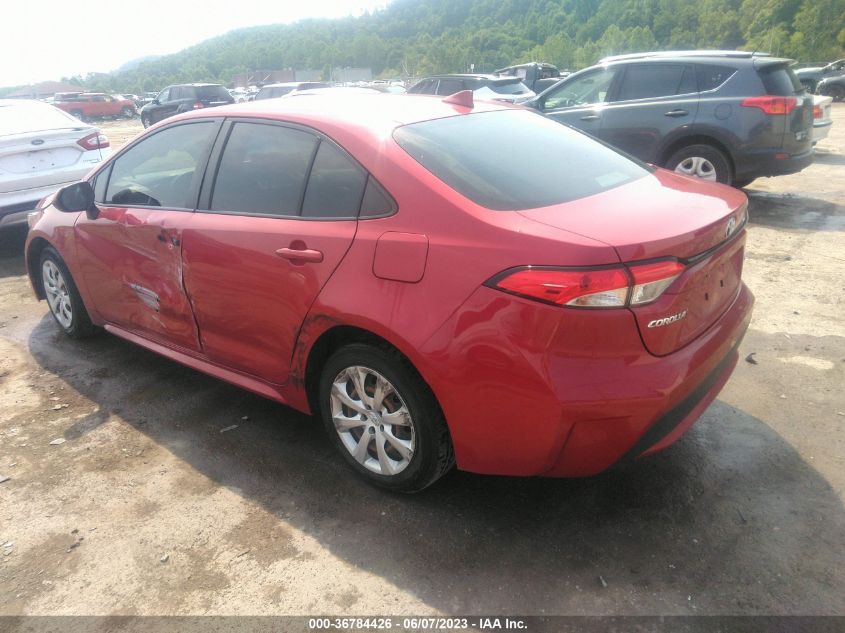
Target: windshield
34	117
515	159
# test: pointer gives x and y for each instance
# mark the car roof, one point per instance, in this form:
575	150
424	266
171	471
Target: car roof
721	54
373	114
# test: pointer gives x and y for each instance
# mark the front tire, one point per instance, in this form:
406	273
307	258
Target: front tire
63	297
701	161
127	113
837	92
146	121
383	418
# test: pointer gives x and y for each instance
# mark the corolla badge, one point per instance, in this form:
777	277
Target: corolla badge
729	229
667	320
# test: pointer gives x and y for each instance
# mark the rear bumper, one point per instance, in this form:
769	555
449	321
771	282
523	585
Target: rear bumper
758	164
569	394
15	205
821	130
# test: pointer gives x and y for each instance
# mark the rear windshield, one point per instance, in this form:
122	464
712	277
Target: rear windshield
213	93
780	81
515	159
34	117
508	87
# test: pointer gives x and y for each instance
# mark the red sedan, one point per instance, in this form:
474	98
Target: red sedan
441	282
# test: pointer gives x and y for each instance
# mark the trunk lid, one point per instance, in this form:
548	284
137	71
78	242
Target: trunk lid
31	160
666	215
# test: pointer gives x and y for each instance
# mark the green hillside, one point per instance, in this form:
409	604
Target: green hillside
418	37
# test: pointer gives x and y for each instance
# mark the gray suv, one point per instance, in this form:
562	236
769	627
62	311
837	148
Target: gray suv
720	115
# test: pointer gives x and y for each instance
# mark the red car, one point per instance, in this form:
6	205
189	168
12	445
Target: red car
91	105
442	282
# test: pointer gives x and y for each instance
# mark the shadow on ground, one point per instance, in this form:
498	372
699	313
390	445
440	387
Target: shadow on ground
788	211
730	520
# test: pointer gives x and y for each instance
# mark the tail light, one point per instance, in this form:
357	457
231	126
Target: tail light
817	112
93	141
771	105
607	287
198	105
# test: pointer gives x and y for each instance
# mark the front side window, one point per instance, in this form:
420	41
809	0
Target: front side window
586	89
649	81
515	159
263	170
164	95
160	170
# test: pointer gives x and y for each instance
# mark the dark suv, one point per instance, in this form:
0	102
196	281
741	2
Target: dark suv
182	98
509	89
720	115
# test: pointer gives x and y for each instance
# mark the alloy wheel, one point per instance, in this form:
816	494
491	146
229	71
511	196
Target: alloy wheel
697	166
58	294
372	420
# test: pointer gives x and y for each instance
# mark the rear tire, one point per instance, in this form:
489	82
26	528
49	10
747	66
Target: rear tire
396	435
79	115
701	161
63	297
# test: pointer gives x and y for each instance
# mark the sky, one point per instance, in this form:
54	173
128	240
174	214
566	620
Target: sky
44	40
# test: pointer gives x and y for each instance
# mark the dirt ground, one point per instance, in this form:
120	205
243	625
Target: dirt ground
148	508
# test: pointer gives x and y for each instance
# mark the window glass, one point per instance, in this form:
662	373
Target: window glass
208	93
780	81
263	170
515	159
164	95
100	183
335	186
449	86
710	77
647	81
159	171
584	90
376	202
508	87
425	87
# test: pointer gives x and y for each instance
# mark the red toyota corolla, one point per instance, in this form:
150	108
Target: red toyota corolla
442	283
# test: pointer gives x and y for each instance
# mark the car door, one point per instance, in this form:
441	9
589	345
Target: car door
580	100
130	254
272	226
653	102
166	104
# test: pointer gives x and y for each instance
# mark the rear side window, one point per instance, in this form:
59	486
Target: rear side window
336	185
647	81
710	77
376	202
425	87
449	86
163	169
263	170
780	81
515	159
212	93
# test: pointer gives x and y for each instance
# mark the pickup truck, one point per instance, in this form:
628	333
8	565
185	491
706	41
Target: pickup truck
91	105
812	77
536	75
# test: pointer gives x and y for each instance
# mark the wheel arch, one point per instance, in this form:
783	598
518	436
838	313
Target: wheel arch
33	259
334	338
697	139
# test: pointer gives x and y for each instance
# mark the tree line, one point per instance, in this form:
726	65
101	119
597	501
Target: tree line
412	38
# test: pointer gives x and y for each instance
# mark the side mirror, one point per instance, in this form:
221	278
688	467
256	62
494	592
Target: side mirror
534	104
77	197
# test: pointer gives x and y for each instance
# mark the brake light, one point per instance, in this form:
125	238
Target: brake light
650	280
198	105
613	287
817	112
93	141
771	105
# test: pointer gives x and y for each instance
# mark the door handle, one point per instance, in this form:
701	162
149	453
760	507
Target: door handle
300	255
677	113
590	117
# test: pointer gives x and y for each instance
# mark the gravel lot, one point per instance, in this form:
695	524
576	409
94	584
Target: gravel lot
147	508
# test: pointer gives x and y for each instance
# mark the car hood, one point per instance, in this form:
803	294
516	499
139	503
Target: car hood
808	71
661	215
